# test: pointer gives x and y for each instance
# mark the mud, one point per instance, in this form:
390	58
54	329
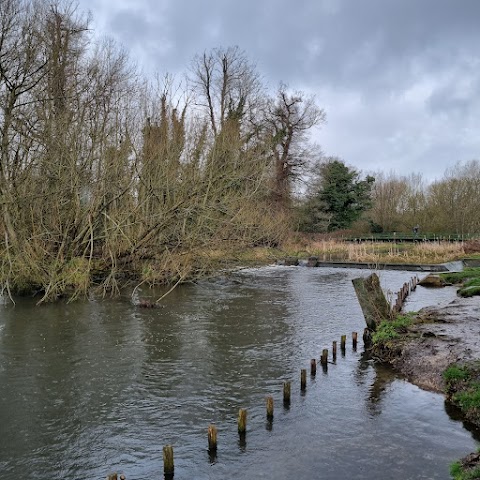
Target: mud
446	334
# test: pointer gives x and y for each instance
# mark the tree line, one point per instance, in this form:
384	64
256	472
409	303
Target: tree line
339	197
106	176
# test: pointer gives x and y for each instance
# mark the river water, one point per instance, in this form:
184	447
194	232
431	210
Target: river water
96	386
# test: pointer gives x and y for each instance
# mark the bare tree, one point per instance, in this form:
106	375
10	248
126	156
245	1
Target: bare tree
226	84
290	116
22	68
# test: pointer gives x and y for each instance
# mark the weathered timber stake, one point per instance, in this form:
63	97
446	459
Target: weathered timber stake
343	342
212	438
123	477
324	357
313	367
367	337
289	261
303	379
242	421
168	466
112	476
286	393
334	350
372	300
269	408
312	261
354	339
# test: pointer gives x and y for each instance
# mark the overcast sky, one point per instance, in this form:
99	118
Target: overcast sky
398	79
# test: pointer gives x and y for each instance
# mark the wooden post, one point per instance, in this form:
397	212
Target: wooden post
354	340
367	337
168	466
374	305
123	477
242	421
334	350
212	438
286	393
303	379
270	408
324	357
343	342
313	367
112	476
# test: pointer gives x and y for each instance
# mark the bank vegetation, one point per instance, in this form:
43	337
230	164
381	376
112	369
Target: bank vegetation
107	178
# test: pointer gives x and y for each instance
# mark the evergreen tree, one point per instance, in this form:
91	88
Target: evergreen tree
339	192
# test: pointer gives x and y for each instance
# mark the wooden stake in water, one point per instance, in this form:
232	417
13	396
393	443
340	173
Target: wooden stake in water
303	379
123	477
168	467
354	340
334	350
343	342
367	337
269	408
324	357
313	367
242	421
212	438
286	393
112	476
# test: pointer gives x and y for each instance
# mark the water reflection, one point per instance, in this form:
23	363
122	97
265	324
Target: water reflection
455	414
92	387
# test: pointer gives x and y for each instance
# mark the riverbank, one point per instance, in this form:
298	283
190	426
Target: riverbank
436	338
438	349
80	276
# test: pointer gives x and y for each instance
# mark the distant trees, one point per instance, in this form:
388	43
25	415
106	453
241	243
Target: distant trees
446	206
337	198
453	202
398	201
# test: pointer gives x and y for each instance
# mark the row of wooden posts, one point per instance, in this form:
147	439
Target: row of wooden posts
168	461
403	294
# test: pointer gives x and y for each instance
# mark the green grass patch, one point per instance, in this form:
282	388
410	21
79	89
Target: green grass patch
462	383
456	470
468	278
470	398
459	473
470	288
460	277
469	291
456	373
389	330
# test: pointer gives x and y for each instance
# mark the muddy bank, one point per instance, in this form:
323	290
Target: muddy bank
439	336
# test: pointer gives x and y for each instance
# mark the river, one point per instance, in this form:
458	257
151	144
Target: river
97	386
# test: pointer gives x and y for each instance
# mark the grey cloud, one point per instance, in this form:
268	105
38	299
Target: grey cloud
398	77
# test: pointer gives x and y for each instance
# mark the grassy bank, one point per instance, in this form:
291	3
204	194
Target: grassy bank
461	380
467	468
468	281
462	383
34	273
375	252
463	390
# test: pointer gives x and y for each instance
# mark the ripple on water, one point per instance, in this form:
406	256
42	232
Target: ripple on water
108	388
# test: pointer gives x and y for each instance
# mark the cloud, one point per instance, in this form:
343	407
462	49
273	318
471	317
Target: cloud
399	79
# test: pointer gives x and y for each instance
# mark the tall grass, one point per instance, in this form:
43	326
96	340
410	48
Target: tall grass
378	252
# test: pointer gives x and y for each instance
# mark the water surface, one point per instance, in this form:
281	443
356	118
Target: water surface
98	386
